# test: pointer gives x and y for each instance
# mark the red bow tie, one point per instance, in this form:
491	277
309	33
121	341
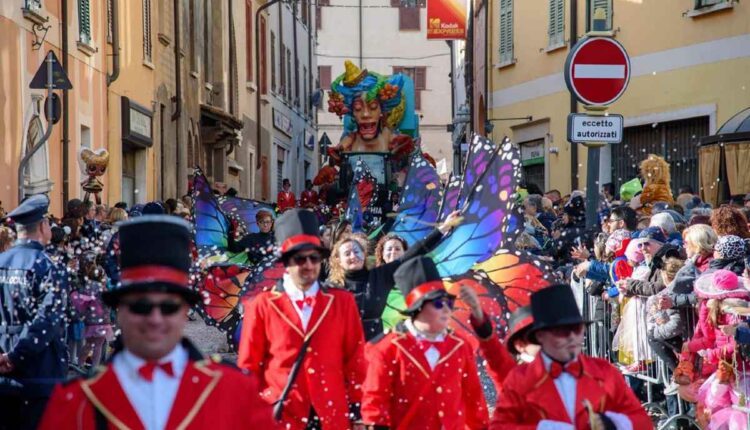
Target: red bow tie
425	344
573	368
307	301
147	370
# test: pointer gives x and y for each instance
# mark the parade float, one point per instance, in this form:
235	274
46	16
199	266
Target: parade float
378	157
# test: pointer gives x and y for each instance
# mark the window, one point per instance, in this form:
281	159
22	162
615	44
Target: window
706	3
556	29
191	34
207	39
263	52
273	62
109	20
249	40
408	18
289	74
282	69
305	104
319	13
84	21
603	20
324	74
506	31
304	12
147	30
417	74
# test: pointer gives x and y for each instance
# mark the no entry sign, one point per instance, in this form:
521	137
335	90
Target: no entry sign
597	71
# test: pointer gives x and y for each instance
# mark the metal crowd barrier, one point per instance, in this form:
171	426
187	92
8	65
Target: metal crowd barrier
598	343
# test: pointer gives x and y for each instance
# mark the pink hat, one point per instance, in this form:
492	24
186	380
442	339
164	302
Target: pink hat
632	252
721	284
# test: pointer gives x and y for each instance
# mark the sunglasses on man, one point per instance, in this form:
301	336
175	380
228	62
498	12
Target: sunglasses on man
566	330
145	307
441	302
299	260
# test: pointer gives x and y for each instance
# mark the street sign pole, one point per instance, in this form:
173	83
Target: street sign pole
592	172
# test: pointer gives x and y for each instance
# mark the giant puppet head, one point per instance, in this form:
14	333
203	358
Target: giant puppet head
375	109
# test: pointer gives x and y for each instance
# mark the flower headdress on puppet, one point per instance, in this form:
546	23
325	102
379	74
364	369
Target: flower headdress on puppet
655	174
395	97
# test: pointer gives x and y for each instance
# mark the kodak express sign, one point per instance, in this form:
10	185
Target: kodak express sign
446	19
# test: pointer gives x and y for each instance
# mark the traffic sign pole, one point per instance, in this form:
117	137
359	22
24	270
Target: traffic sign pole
592	172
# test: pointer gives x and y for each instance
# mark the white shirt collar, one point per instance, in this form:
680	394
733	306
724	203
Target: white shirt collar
178	357
419	335
294	292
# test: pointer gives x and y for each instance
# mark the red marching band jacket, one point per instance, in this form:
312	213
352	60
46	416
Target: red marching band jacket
529	395
333	367
402	392
285	200
210	395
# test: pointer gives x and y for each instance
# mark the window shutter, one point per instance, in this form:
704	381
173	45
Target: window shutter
418	100
506	31
395	3
397	69
273	62
556	30
84	21
282	69
408	18
324	2
147	30
249	39
263	52
303	12
318	17
420	79
324	75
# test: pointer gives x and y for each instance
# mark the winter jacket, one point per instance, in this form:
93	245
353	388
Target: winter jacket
737	265
710	339
674	325
653	284
681	292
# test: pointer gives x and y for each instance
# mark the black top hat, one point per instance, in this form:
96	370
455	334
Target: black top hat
419	281
297	230
519	326
554	306
154	256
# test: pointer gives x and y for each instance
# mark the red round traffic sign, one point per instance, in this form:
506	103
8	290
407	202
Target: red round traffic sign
597	70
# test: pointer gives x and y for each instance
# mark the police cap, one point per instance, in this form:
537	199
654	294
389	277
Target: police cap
31	210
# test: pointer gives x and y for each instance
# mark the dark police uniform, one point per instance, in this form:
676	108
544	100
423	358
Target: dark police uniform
32	327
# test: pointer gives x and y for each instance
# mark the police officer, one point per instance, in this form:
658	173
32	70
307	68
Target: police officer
33	356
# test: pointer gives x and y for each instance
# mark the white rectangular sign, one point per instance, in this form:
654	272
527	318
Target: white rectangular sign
583	128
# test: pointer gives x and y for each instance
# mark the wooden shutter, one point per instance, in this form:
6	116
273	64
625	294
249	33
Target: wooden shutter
84	21
263	52
147	30
249	39
556	29
273	62
420	78
408	18
395	3
506	31
324	2
282	69
304	12
324	74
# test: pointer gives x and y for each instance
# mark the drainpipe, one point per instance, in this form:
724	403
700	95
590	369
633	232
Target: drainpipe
258	112
573	34
115	44
177	99
232	60
361	57
65	105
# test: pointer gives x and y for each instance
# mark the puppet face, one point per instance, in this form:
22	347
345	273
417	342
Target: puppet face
367	115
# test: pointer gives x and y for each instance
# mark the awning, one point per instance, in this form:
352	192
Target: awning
737	128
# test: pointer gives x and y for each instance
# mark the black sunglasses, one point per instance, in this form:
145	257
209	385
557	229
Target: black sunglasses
299	260
443	301
145	307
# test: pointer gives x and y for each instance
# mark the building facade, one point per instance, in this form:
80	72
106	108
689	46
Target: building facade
688	62
77	35
290	146
385	37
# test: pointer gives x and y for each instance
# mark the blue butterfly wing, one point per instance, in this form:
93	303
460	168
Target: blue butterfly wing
480	154
211	226
244	211
489	216
418	208
450	198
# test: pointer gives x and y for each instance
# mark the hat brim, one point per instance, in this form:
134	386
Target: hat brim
531	336
522	333
704	288
324	252
432	295
112	298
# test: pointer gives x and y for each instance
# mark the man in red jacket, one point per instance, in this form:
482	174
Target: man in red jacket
423	376
285	199
563	389
305	340
157	379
